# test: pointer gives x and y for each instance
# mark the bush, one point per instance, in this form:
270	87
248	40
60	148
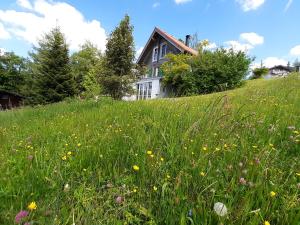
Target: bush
209	71
259	72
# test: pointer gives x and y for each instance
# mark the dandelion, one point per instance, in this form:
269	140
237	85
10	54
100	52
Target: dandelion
32	206
69	153
168	176
217	149
64	158
162	159
22	214
78	145
298	174
134	190
254	146
149	152
225	145
204	148
271	145
136	168
267	223
220	209
154	188
202	174
152	156
272	194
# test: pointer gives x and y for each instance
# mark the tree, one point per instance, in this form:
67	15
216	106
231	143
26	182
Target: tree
117	76
84	64
259	72
12	72
51	68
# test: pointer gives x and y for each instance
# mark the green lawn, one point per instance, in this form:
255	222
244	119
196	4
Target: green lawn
75	159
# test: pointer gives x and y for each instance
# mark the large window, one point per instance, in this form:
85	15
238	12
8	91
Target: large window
144	91
155	54
155	71
163	50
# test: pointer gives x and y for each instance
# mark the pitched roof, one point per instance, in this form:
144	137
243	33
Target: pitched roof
178	44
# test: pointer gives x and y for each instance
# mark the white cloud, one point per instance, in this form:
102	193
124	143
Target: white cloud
295	51
211	46
138	52
237	46
182	1
252	38
248	5
47	14
274	61
3	33
25	4
288	4
2	51
155	5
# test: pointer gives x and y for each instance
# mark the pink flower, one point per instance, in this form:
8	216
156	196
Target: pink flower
243	181
22	214
119	199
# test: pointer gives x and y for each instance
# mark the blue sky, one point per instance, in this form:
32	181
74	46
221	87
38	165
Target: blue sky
266	29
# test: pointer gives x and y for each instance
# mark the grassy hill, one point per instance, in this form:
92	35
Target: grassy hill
75	159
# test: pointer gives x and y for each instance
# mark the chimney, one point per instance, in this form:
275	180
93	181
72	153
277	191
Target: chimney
187	40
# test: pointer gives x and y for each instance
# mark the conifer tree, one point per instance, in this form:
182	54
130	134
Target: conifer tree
52	71
117	74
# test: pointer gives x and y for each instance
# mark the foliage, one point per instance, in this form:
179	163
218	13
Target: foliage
116	76
51	69
12	72
75	160
84	65
207	72
259	72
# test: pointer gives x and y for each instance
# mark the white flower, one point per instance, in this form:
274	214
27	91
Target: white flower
66	187
220	209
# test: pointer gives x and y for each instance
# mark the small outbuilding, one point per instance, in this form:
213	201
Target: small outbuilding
9	100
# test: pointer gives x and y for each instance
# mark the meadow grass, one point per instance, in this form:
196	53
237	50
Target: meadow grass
75	159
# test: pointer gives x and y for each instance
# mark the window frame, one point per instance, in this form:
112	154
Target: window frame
153	54
161	50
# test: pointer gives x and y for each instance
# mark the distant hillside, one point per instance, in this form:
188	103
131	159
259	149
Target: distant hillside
156	162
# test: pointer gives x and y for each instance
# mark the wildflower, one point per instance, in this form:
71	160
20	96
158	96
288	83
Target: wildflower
296	132
64	158
217	149
202	174
168	176
204	148
193	153
119	199
220	209
149	152
154	188
267	223
136	168
135	190
225	145
190	213
162	159
66	187
271	145
78	145
243	181
69	153
272	194
254	146
22	214
152	156
66	145
32	206
84	170
298	174
241	164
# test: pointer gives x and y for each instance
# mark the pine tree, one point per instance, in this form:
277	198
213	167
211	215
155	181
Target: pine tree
117	76
52	71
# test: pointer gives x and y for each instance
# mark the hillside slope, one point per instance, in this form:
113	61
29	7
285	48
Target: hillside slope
156	162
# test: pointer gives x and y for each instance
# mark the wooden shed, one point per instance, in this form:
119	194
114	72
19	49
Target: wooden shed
9	100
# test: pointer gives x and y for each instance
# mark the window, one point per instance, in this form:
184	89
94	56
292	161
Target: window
144	91
155	54
155	71
163	50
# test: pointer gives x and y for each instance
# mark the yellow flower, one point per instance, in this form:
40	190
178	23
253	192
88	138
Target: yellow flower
69	153
168	176
136	168
78	144
267	223
217	149
225	145
254	146
193	153
298	174
296	132
204	148
152	156
135	190
154	188
271	145
162	159
32	206
149	152
202	174
272	194
64	157
66	145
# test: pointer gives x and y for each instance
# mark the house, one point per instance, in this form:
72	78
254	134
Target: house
279	71
10	100
153	55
